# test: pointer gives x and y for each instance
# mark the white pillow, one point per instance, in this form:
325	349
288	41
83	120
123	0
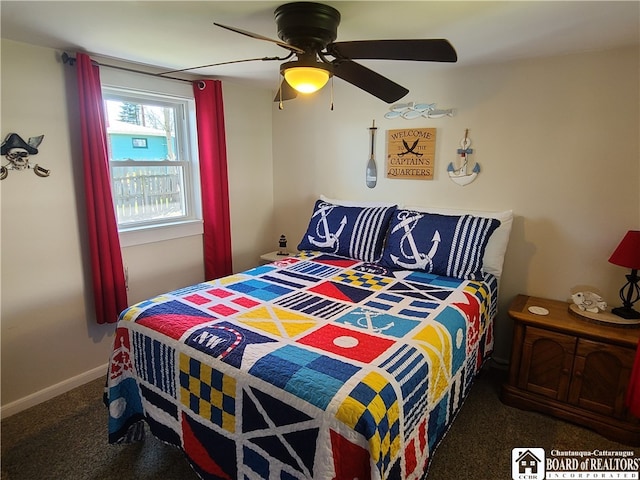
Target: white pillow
493	259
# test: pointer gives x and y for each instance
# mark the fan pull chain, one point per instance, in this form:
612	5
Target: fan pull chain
280	104
332	93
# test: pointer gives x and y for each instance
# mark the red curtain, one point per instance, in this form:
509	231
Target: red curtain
109	289
633	391
213	178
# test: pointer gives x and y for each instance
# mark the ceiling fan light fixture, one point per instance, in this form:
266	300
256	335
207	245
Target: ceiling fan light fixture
306	78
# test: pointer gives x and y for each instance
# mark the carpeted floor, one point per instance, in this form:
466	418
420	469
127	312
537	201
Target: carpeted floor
66	439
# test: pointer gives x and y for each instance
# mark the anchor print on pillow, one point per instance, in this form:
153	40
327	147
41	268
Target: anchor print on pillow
355	232
447	245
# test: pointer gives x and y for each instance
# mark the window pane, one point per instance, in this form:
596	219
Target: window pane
141	131
148	193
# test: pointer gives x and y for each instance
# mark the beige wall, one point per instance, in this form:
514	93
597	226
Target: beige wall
556	139
50	341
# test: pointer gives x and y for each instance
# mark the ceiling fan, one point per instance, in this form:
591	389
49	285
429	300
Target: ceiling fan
308	30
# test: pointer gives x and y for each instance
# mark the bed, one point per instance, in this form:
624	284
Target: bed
348	360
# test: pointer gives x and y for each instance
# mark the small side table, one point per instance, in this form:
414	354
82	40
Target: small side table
273	256
571	368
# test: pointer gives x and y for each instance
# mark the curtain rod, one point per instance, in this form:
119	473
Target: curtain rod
66	58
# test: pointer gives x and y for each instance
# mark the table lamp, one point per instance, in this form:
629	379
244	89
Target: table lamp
628	255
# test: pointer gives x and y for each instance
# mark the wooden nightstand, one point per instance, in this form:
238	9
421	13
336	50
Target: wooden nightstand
570	368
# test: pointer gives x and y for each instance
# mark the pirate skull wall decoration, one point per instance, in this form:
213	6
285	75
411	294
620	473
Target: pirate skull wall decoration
17	151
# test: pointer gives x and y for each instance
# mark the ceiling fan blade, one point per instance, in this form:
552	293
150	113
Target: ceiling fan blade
369	81
264	59
426	50
285	92
260	37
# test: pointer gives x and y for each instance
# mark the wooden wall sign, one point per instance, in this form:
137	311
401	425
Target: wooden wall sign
411	153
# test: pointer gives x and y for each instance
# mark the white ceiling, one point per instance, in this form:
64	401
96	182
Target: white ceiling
180	34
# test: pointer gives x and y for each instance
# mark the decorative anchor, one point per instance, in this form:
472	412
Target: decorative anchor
460	175
17	151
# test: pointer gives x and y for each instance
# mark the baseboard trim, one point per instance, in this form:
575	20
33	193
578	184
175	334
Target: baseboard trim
52	391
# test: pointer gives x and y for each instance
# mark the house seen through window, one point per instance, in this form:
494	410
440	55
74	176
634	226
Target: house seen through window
150	159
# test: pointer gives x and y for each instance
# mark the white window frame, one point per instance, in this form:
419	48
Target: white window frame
142	88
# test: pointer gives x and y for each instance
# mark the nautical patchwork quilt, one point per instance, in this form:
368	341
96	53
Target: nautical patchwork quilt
312	367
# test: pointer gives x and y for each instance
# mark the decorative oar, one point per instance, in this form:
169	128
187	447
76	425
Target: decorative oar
372	171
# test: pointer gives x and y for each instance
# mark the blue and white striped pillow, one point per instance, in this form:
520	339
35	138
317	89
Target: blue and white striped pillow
449	245
354	232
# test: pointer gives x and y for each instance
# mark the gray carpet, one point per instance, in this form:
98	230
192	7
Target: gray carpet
66	439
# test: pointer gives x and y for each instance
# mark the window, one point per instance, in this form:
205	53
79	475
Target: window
139	143
154	171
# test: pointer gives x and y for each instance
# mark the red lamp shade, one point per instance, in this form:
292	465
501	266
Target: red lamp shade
628	252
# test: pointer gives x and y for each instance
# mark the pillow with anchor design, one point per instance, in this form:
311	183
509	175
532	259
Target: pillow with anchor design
448	245
348	231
